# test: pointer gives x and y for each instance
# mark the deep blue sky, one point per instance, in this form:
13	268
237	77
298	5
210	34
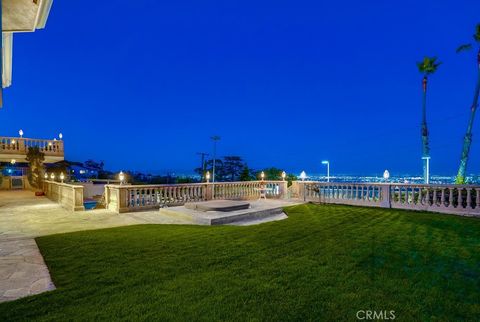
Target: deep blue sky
143	84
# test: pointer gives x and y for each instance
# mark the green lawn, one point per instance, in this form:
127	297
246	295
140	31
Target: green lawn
322	263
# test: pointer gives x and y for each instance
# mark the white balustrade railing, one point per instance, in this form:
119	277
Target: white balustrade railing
453	199
13	145
125	198
154	196
248	189
458	199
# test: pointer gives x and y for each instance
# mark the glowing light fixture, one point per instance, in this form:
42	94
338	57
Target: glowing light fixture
60	136
62	177
386	175
20	133
52	176
45	176
262	175
13	161
207	176
121	177
284	174
303	175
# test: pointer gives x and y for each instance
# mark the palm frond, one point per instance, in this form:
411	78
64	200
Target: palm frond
476	36
463	47
429	65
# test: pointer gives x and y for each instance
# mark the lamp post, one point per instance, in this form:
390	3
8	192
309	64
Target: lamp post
45	176
303	176
52	176
262	175
215	139
207	176
284	175
62	177
328	169
60	136
20	133
427	179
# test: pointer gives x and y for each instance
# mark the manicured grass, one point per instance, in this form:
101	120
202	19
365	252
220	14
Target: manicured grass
322	263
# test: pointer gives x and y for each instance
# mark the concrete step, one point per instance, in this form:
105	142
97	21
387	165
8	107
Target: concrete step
221	217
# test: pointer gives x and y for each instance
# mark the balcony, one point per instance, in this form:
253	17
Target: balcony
12	148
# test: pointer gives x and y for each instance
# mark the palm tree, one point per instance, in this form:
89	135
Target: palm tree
467	141
428	66
35	160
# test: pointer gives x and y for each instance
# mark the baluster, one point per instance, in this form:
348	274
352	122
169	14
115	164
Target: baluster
460	198
450	197
442	198
469	196
477	202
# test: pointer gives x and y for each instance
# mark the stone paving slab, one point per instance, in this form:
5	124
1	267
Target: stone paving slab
22	269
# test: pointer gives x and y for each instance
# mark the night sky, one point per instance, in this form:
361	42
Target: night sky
143	85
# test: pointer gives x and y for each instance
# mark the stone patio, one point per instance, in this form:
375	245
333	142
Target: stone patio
24	217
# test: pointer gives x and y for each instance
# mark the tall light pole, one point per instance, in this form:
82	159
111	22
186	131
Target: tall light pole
214	138
427	179
328	169
203	155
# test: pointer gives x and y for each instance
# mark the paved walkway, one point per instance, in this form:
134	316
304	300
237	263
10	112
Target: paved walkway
24	217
